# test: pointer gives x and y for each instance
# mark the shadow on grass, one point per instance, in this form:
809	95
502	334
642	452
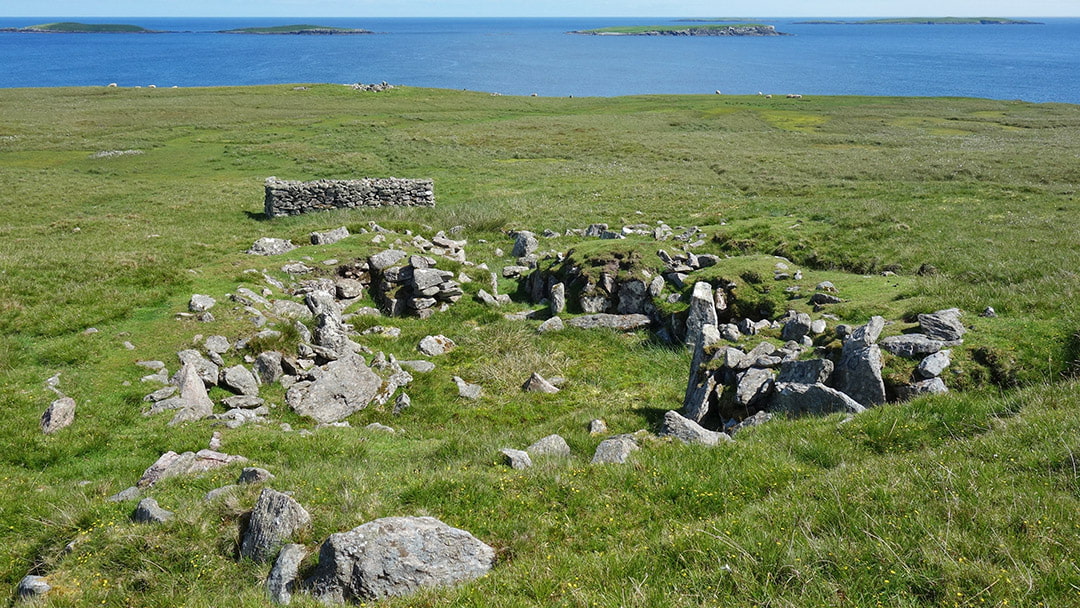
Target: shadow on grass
654	416
258	216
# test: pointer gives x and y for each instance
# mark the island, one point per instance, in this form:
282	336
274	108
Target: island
72	27
927	21
301	30
725	29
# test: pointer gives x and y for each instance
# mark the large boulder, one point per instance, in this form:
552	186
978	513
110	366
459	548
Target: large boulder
194	403
525	243
344	387
615	450
396	556
753	386
171	464
148	512
240	380
275	518
859	373
811	399
913	345
552	445
60	414
811	371
943	325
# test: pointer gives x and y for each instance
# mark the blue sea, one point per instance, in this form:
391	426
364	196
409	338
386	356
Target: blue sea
1039	63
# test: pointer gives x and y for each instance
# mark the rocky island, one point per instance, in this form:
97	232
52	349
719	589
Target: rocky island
72	27
302	30
726	29
927	21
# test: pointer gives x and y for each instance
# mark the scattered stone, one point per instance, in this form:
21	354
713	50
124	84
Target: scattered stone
609	321
551	325
330	237
271	246
60	414
811	399
702	312
206	370
688	431
516	459
268	367
193	402
525	243
615	450
943	325
148	512
913	345
201	303
252	475
275	518
755	420
125	495
244	402
753	386
239	379
420	366
597	427
987	312
343	387
171	464
161	394
381	428
396	556
859	371
434	346
32	587
557	299
932	386
216	493
552	445
402	403
537	384
813	371
933	365
821	299
284	576
467	390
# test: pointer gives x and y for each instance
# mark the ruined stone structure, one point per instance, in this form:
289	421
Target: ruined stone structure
294	197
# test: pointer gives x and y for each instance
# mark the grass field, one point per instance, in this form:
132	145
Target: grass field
967	499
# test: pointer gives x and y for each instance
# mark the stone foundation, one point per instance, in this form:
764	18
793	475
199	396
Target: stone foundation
294	197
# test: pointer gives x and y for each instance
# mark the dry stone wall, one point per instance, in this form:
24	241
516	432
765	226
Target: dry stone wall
295	197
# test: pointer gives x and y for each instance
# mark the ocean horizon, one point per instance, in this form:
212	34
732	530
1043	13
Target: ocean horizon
523	56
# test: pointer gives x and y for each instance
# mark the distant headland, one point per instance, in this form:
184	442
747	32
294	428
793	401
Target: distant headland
927	21
72	27
303	30
724	29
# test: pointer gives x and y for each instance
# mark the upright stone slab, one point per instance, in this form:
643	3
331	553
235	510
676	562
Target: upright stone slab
396	556
275	518
702	312
859	373
283	579
195	404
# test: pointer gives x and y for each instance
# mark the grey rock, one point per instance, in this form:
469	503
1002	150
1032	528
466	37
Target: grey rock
593	302
284	576
634	298
380	428
217	344
595	230
551	325
348	289
525	243
552	445
826	286
268	367
434	346
217	493
254	475
344	387
988	313
125	495
933	365
205	369
813	371
868	334
396	556
486	298
60	414
385	259
193	402
820	299
702	311
201	303
558	299
818	327
913	345
401	403
467	390
294	268
161	394
171	464
700	384
275	519
858	374
943	325
757	419
289	309
148	512
656	287
688	431
597	427
729	332
537	384
239	379
753	386
615	450
932	386
271	246
245	402
607	321
420	366
733	358
811	399
797	327
32	587
513	271
329	237
516	459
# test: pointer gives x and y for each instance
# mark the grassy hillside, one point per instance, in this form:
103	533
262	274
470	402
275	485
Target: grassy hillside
72	27
960	500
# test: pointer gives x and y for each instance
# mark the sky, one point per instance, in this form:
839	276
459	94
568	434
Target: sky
540	8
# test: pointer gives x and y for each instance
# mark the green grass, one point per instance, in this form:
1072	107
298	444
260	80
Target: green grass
87	28
296	29
961	500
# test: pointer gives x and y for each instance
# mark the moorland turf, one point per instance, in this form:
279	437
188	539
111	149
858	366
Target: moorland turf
965	499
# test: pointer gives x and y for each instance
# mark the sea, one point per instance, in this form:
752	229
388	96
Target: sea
525	56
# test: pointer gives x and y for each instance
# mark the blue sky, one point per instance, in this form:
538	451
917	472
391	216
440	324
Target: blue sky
538	8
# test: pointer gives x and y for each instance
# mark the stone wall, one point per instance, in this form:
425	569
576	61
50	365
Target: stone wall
293	198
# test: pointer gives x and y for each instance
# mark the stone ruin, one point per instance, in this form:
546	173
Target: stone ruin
294	197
